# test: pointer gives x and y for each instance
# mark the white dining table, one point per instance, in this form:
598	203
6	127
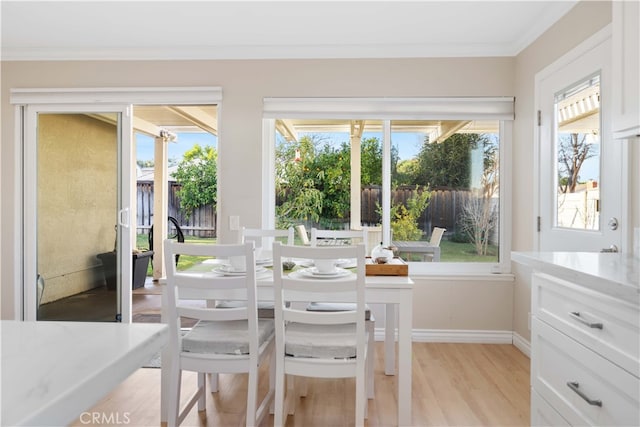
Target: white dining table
53	371
395	292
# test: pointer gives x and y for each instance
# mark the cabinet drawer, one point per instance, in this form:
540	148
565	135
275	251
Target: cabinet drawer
543	414
609	326
559	361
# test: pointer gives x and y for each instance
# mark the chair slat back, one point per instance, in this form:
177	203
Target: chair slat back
264	238
436	236
295	288
352	237
184	287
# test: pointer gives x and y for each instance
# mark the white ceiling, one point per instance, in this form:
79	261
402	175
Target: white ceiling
102	30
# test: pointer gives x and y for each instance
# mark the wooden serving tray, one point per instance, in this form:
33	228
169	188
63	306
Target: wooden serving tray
397	267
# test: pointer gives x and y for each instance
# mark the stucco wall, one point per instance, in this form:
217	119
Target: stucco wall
77	201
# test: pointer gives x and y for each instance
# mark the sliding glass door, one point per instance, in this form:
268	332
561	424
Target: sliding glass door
77	174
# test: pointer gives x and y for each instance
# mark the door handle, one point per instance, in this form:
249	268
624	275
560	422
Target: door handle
123	218
610	249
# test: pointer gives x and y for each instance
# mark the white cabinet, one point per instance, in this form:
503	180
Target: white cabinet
626	68
585	356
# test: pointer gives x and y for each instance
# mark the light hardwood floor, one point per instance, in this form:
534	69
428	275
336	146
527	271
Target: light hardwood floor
453	385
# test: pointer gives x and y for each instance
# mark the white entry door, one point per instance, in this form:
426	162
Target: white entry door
582	183
76	213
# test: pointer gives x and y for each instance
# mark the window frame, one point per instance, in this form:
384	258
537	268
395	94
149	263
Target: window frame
388	110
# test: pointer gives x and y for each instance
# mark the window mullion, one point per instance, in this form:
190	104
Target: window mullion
386	181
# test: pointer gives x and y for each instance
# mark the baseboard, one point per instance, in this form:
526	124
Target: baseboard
466	336
455	336
522	344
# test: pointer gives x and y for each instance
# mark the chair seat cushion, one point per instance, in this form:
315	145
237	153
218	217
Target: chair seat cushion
337	306
265	308
321	341
224	337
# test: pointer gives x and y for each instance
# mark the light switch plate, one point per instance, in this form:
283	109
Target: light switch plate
234	223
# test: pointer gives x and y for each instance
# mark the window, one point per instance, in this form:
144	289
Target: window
577	121
431	163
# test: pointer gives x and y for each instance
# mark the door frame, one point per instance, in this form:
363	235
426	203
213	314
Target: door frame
24	297
30	195
565	60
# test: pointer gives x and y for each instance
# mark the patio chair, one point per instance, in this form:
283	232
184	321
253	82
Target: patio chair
436	237
302	233
178	235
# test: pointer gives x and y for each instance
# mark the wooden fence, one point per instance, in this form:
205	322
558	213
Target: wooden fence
444	207
201	222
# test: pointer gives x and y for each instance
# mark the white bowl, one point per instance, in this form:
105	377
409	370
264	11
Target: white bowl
238	263
325	265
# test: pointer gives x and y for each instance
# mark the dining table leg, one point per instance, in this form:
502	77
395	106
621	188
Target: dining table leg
405	357
390	340
164	372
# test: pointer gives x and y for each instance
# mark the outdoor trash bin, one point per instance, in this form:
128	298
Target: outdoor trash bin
139	265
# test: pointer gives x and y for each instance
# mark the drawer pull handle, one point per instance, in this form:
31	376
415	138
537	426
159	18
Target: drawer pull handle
574	386
576	316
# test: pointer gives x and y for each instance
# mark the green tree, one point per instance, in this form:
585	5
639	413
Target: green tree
404	219
448	163
371	161
197	176
313	177
406	172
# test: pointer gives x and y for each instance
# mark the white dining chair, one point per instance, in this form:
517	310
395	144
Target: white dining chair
229	340
264	237
349	237
321	237
314	343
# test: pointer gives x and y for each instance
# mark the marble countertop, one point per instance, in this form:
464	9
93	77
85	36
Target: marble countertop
53	371
610	273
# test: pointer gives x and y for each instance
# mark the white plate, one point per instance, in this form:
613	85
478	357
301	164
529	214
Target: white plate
267	262
340	262
347	263
313	273
227	270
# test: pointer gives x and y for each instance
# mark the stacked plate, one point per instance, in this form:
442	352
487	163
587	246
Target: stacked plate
312	272
227	270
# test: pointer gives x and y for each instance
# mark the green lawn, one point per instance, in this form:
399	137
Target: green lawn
449	252
459	252
142	242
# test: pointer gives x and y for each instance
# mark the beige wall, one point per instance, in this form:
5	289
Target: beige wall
462	304
77	201
244	85
585	19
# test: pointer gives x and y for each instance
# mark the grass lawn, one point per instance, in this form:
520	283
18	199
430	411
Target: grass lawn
142	242
449	252
459	252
